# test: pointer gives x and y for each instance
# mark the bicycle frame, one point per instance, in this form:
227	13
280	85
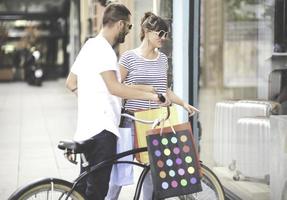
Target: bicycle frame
65	188
113	160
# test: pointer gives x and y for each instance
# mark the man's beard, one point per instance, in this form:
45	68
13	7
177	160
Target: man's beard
120	38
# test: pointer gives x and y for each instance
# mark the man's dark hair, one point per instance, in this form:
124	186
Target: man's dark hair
115	12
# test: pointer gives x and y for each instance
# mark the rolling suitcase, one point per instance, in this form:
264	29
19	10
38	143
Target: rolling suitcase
222	131
253	146
278	159
249	108
227	113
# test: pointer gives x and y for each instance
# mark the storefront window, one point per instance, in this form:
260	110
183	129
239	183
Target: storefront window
243	63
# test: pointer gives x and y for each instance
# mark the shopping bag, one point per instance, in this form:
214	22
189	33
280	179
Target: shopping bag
174	161
140	128
122	174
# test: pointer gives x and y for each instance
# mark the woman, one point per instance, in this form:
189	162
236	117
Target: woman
147	66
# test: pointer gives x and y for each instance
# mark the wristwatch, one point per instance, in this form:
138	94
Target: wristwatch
161	98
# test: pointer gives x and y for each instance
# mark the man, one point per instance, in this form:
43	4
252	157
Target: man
95	78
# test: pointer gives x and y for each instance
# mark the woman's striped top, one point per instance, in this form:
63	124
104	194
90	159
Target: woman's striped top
142	71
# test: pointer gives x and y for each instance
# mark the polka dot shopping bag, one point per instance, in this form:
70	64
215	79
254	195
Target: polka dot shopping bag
174	161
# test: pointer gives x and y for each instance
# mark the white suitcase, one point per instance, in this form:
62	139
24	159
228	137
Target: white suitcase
227	114
278	158
221	132
248	108
253	147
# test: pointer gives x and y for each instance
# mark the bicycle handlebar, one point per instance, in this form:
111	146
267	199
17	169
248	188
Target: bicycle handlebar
155	122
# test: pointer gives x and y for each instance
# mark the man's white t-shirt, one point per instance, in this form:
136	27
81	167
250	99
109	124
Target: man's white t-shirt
97	108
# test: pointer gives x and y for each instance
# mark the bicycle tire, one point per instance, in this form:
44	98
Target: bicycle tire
211	188
44	188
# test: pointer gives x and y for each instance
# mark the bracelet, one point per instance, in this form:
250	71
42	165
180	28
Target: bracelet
73	90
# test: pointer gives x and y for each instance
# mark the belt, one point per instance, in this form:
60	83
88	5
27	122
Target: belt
130	112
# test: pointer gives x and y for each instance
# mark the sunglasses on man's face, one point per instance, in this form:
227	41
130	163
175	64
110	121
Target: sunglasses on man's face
162	34
128	25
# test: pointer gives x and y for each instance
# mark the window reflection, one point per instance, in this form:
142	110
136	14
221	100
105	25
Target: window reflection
243	65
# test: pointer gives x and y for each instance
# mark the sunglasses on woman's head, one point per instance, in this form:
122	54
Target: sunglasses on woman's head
161	34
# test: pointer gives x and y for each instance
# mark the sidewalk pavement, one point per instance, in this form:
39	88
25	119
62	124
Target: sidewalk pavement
32	121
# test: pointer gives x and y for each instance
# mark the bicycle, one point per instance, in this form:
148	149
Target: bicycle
54	188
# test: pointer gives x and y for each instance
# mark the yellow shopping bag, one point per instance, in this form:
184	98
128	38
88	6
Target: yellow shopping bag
141	129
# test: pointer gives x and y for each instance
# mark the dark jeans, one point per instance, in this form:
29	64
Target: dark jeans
96	185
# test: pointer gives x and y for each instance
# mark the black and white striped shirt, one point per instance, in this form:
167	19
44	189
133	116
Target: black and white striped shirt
142	71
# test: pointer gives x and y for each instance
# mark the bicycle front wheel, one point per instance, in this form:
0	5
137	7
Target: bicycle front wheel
47	189
211	188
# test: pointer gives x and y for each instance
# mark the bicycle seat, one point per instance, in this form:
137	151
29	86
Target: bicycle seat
70	145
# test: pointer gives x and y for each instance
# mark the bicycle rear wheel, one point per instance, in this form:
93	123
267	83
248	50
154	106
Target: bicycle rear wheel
211	188
46	189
